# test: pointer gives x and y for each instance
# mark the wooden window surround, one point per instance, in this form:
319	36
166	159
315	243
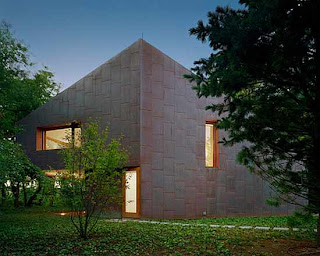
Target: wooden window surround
131	193
54	136
211	145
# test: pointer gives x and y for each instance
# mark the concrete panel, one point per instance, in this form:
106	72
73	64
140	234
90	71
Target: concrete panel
168	166
146	190
169	202
157	178
168	184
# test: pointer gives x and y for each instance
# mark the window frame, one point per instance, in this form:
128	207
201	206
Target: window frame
41	134
215	150
123	212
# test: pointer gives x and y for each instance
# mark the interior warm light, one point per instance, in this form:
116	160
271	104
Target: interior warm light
131	192
56	137
62	213
211	146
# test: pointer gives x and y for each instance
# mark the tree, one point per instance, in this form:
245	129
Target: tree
18	172
93	174
265	67
20	91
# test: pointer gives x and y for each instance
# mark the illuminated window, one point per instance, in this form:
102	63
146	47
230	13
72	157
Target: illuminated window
212	150
56	139
49	138
131	192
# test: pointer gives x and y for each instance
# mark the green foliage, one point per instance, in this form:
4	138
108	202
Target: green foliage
265	67
20	91
17	170
302	219
50	195
15	166
274	201
93	177
34	233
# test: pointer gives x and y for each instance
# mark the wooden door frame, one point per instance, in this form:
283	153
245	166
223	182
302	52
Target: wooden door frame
126	214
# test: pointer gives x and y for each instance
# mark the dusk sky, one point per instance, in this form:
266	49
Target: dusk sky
73	37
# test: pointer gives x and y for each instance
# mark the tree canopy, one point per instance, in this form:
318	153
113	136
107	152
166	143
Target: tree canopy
92	180
18	170
20	91
265	66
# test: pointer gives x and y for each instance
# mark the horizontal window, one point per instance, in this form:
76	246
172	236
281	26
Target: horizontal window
56	139
49	138
53	173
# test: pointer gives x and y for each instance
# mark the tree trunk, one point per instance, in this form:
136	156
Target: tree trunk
52	195
318	230
24	194
315	161
15	191
34	196
3	193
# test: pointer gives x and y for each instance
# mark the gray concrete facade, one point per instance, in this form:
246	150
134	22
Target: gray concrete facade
141	94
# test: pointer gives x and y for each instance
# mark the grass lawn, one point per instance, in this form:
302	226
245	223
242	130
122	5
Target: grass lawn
31	232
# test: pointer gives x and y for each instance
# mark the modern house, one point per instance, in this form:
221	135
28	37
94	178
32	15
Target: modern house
177	167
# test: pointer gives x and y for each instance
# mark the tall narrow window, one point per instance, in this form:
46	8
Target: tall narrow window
131	193
212	150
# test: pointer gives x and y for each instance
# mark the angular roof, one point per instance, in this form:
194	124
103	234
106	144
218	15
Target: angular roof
117	70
